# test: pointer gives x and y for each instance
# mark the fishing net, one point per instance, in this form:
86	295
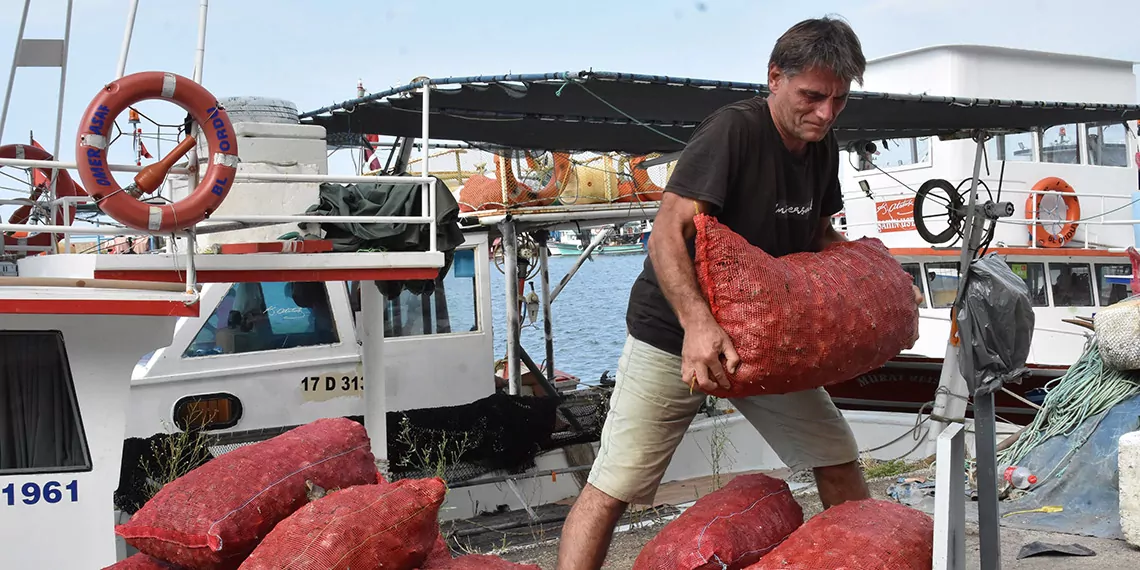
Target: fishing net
857	535
497	433
728	528
142	456
391	525
808	319
140	561
213	516
479	562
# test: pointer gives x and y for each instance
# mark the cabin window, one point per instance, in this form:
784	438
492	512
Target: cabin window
1113	290
40	427
1059	145
1072	284
450	306
1034	276
1107	144
255	317
1015	147
942	281
915	271
893	153
207	411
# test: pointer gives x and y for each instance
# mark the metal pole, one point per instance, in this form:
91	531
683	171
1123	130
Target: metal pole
511	270
985	441
428	204
544	275
122	68
12	73
989	530
372	361
581	259
200	56
59	124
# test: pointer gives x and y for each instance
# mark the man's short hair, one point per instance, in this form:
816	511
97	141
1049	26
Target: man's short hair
828	43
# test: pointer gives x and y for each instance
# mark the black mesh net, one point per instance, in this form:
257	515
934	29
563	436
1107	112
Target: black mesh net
499	433
156	456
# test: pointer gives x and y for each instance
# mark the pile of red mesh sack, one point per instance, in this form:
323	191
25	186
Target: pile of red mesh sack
214	516
140	561
804	320
390	525
857	535
726	529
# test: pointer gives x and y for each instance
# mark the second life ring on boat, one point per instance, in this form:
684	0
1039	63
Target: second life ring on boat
64	187
123	204
1072	216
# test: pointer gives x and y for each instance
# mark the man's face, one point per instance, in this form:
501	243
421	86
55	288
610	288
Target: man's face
807	104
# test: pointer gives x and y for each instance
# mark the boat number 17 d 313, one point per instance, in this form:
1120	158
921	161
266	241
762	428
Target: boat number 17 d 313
31	493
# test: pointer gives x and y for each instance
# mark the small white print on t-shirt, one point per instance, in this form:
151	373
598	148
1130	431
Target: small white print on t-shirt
802	211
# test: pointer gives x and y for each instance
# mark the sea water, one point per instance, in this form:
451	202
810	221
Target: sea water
587	317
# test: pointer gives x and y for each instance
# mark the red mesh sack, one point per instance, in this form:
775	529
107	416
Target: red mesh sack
392	526
729	528
141	561
804	320
858	535
213	517
439	554
480	562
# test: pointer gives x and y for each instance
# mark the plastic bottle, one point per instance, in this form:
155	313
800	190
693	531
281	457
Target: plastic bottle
1019	477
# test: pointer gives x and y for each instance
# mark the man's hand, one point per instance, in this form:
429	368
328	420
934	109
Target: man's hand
701	356
918	299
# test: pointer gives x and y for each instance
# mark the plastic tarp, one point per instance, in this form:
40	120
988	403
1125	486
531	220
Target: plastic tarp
386	200
1085	484
1001	322
389	200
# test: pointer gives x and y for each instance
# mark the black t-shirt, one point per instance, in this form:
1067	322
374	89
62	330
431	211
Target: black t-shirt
737	162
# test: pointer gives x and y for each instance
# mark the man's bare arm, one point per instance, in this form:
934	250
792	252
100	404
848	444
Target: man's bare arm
705	341
675	272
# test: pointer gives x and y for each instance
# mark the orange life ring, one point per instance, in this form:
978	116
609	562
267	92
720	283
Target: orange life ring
91	151
64	186
1033	204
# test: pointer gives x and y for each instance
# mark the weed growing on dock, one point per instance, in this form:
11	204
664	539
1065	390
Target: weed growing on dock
177	454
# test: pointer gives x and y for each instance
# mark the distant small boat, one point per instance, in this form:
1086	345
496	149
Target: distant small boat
562	248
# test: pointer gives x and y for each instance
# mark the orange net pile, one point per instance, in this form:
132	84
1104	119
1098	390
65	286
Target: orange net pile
804	320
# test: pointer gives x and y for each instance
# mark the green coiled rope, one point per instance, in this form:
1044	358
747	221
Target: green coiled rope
1087	389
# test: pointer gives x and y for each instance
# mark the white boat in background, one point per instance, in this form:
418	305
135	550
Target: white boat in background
1083	268
264	334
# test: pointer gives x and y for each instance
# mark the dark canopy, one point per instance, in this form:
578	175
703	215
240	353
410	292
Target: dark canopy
601	111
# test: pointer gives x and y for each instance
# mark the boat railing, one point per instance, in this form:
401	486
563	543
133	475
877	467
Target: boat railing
224	223
1084	223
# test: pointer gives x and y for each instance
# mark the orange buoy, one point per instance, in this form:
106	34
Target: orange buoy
64	187
1033	204
123	204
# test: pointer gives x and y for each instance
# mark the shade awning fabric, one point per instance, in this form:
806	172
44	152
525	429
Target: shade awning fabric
641	114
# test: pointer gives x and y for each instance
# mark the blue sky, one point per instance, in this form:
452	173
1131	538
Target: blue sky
314	52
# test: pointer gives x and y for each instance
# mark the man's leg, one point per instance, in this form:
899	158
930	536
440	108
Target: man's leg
807	431
650	410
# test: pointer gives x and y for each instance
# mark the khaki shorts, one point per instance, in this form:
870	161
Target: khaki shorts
651	408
